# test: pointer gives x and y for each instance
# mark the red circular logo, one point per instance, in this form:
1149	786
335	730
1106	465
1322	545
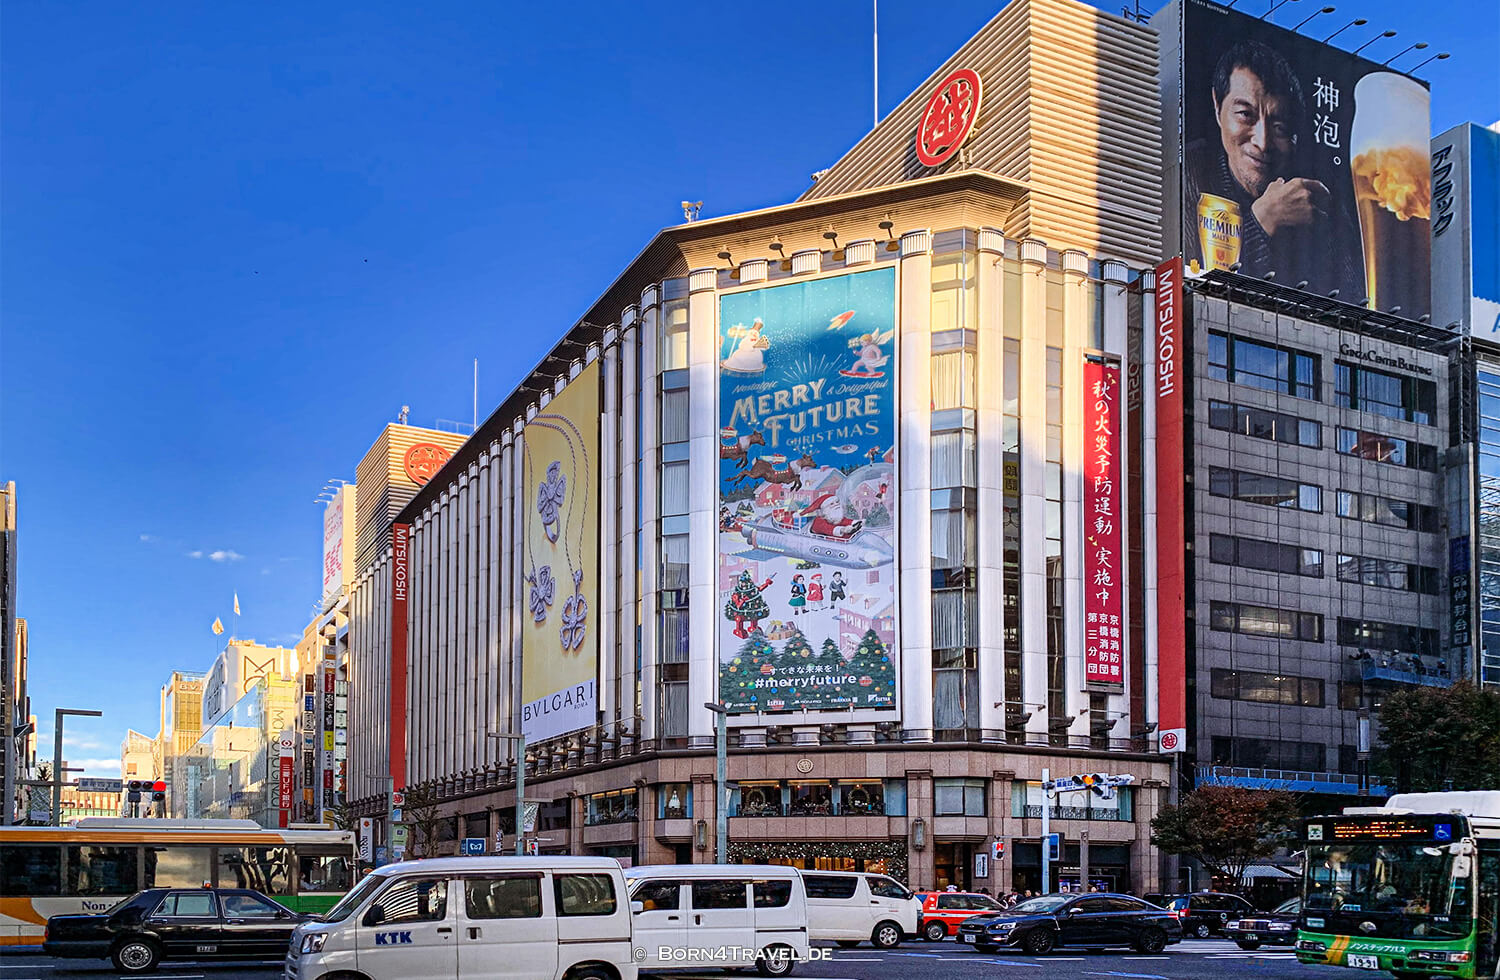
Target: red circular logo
1169	741
949	117
424	460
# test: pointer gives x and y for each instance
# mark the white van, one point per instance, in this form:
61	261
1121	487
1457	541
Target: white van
855	907
565	918
718	916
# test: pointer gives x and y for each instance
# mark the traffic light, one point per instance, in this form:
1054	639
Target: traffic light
135	787
159	791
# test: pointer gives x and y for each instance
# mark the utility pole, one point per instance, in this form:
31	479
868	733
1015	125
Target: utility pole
57	758
1047	832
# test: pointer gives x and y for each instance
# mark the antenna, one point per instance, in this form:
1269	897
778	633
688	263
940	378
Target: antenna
404	414
875	25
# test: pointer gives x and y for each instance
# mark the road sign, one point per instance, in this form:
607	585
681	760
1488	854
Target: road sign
91	784
981	864
1054	847
398	835
997	849
473	845
398	798
396	815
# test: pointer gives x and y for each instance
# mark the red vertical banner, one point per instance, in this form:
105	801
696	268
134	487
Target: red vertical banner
286	787
400	589
1171	544
1103	536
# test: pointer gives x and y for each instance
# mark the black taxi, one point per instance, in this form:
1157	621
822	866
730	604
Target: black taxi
176	923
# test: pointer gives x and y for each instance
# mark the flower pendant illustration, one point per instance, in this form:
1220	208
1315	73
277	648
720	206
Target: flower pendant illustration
575	615
549	498
543	589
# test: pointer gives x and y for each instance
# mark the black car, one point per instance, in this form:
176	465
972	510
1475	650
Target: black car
1095	920
1203	914
177	923
1278	926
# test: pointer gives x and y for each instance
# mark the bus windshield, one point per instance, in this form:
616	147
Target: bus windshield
1411	882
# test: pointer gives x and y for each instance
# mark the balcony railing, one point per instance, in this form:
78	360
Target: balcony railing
1292	780
1074	813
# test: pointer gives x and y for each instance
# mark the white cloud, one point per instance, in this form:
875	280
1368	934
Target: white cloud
149	539
195	554
81	743
225	554
95	767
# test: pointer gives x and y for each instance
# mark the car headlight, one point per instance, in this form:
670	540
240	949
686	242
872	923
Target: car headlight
1282	927
1312	946
1002	926
313	942
1232	924
1438	956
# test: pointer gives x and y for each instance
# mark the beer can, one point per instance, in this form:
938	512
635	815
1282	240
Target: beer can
1218	231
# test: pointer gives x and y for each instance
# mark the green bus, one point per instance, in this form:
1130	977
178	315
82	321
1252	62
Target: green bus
88	867
1411	887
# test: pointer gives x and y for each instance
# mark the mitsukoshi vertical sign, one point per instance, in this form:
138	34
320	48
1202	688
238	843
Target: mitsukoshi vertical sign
1171	544
560	632
1103	608
807	494
400	593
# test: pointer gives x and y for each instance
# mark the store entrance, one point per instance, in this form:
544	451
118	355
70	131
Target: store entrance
953	862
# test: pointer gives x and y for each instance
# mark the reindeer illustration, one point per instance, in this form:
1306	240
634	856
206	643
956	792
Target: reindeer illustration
762	469
738	449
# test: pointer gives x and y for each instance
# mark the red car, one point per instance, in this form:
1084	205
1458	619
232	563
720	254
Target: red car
943	911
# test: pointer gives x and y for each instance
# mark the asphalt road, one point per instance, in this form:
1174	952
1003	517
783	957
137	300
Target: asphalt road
1189	960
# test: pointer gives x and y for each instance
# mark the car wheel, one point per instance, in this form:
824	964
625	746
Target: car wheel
887	935
775	961
1247	944
934	931
136	956
1038	942
847	943
1201	930
1150	941
986	947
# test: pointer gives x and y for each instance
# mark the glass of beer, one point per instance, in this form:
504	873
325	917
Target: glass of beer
1218	231
1388	147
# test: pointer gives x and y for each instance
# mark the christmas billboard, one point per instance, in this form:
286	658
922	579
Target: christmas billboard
560	491
807	495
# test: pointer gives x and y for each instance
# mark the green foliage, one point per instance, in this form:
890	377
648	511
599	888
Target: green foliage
1225	827
1436	738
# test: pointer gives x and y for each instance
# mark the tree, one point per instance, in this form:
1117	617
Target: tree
1225	827
874	679
746	605
421	815
1440	738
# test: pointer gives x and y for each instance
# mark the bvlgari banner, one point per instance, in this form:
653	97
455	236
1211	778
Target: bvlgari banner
807	494
560	497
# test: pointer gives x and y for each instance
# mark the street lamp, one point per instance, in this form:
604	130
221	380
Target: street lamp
57	759
1356	22
520	739
721	780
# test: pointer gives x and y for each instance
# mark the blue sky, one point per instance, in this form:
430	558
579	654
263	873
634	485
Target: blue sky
237	238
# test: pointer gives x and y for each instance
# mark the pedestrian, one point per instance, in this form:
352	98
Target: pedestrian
983	890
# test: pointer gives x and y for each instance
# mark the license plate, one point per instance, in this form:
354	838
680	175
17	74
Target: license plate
1251	936
962	938
1362	962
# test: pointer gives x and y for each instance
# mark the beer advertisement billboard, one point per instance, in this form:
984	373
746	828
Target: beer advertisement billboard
560	491
1301	162
807	494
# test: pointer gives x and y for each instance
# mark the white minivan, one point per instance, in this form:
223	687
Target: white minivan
479	918
856	907
719	916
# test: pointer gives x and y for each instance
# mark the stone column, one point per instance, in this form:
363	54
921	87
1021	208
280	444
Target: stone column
914	459
1034	486
991	500
649	506
703	482
921	863
1075	266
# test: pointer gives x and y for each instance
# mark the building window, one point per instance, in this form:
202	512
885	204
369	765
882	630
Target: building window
1265	366
1258	488
861	797
1265	556
955	288
674	489
813	798
1391	637
1257	423
1010	495
958	797
674	709
618	806
955	617
674	326
1386	449
1385	573
954	379
760	800
1388	511
674	416
955	689
1264	753
1028	798
1248	685
674	801
1392	395
954	532
1277	624
955	461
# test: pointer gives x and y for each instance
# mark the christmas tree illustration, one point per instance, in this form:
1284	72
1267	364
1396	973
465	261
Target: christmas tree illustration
874	679
737	678
746	607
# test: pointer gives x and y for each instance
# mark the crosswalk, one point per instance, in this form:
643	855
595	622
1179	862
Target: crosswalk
1223	949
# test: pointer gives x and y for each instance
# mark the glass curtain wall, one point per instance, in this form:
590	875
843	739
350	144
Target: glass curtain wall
672	578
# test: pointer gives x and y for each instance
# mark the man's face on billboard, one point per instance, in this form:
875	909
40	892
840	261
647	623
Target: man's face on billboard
1255	131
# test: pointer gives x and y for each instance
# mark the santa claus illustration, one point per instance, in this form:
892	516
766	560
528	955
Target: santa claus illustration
830	520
